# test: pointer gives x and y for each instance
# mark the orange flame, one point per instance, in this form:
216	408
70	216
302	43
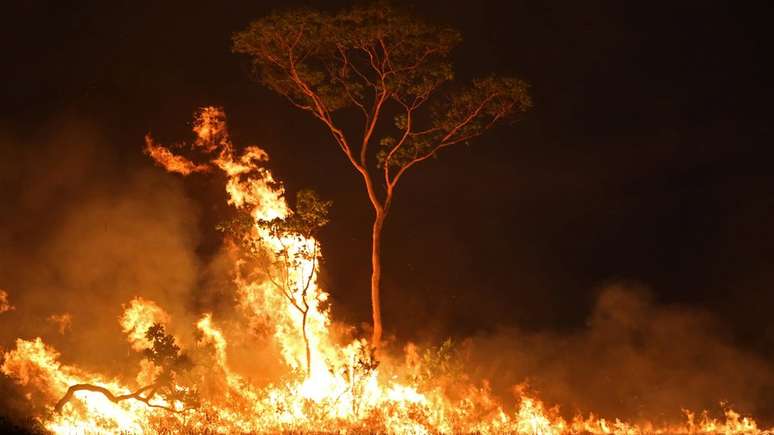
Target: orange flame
138	317
63	321
170	161
5	305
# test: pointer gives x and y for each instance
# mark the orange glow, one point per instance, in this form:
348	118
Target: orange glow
170	161
5	304
138	317
343	390
63	321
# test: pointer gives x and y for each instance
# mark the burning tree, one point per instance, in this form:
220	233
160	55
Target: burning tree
381	62
281	240
294	265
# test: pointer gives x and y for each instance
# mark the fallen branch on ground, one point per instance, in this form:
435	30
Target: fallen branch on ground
137	395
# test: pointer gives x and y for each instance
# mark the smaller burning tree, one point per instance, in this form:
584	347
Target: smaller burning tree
169	361
292	248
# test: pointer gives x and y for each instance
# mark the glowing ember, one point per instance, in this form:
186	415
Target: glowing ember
332	383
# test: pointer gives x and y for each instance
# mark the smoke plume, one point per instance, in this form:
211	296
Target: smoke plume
85	231
634	359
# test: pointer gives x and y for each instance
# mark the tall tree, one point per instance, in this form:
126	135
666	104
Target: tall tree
382	62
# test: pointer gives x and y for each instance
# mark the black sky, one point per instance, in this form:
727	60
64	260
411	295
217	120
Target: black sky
647	157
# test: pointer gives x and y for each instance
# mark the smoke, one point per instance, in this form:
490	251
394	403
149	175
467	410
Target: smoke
87	228
634	359
91	226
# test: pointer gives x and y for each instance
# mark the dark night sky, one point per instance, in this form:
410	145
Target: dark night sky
647	157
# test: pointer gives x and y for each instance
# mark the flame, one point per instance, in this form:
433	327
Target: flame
138	317
336	388
170	161
5	305
35	366
63	321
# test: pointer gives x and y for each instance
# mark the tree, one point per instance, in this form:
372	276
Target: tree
381	62
303	225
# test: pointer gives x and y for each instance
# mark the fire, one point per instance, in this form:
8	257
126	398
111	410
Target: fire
35	366
169	161
333	384
63	321
138	317
5	305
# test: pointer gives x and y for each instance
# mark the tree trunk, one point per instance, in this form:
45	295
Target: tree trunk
376	276
306	343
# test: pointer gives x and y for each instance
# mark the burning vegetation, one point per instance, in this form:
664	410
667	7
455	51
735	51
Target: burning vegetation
332	382
273	360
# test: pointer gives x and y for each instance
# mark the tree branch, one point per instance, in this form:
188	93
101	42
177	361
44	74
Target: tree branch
446	140
406	133
345	63
376	111
137	395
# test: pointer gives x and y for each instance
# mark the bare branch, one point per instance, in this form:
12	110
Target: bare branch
136	395
372	57
357	71
376	111
385	57
390	184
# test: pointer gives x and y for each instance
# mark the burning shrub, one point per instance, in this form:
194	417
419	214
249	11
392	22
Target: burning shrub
168	362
